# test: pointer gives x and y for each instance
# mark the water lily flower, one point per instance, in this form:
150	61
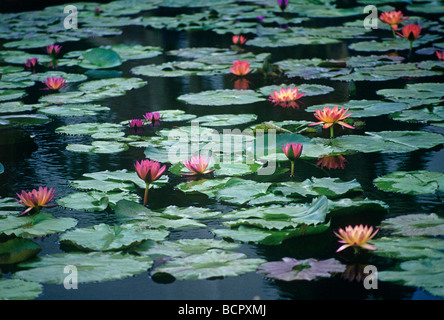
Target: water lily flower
138	123
286	97
392	18
332	162
31	63
148	171
356	237
35	199
240	68
53	49
292	151
260	18
440	54
97	11
282	4
410	32
328	117
239	40
55	83
197	165
152	116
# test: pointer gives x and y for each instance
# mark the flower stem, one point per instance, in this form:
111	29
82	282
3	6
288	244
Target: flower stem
331	132
410	50
292	168
394	33
145	198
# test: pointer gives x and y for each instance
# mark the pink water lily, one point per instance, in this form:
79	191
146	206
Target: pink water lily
292	151
332	162
148	171
55	83
197	165
31	63
282	4
356	237
440	54
136	123
53	49
286	97
35	199
152	116
328	117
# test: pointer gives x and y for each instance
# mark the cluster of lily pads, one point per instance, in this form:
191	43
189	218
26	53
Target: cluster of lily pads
259	211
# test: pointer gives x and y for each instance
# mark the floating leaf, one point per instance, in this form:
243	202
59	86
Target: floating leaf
100	58
16	289
221	97
413	225
91	267
73	110
408	248
37	225
212	264
94	200
411	182
104	237
225	120
290	269
18	250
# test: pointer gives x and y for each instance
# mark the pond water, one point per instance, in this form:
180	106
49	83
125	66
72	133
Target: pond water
46	160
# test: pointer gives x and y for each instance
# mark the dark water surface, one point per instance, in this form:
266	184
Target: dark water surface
47	163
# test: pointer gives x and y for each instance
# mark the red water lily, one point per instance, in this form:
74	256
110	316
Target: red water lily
31	63
328	117
410	32
35	199
197	165
241	68
292	151
149	171
356	237
55	83
440	54
239	40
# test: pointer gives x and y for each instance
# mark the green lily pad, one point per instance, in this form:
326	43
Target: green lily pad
221	97
411	182
22	120
385	142
98	147
16	289
413	225
132	212
225	120
73	110
91	267
18	250
424	273
6	95
100	58
212	264
90	128
183	247
15	107
69	77
94	200
176	115
37	225
104	237
392	44
290	269
408	248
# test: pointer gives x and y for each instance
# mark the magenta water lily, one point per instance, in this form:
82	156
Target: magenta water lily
149	171
53	49
54	83
136	123
292	151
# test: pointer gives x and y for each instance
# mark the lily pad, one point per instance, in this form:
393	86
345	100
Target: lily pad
221	97
413	225
411	182
212	264
408	248
73	110
18	250
100	58
290	269
225	120
16	289
98	147
91	267
94	200
104	237
37	225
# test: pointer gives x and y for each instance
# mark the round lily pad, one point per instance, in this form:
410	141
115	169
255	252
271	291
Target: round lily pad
222	97
411	182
